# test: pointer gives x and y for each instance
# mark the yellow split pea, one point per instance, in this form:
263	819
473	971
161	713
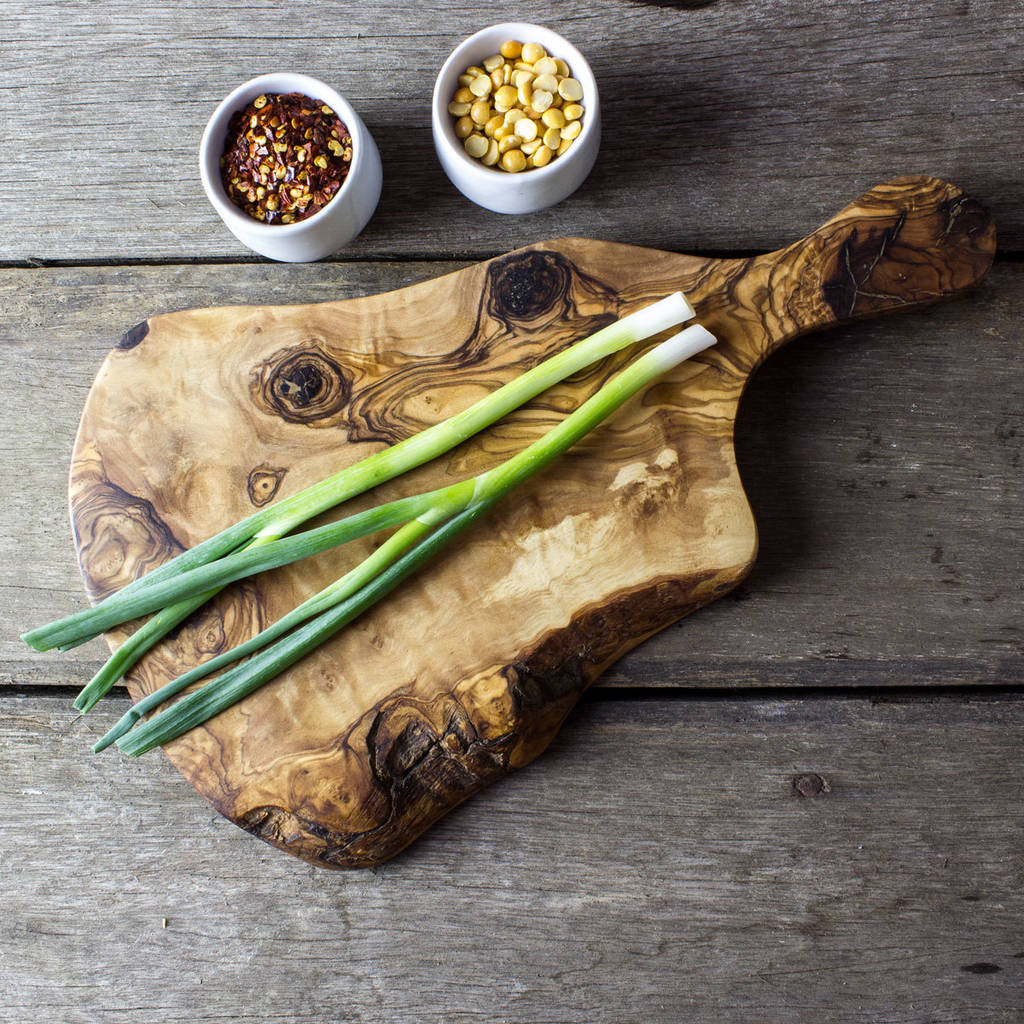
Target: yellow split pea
517	109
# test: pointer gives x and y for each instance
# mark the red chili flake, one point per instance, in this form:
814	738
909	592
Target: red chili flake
285	157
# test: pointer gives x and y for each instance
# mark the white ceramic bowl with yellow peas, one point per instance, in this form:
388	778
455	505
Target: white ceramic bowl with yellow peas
516	118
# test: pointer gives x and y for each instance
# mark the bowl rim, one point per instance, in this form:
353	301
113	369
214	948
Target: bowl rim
444	123
211	149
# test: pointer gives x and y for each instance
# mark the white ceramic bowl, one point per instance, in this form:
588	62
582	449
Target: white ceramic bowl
527	191
329	229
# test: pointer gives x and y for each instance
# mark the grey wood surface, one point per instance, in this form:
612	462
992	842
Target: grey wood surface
660	863
727	124
882	462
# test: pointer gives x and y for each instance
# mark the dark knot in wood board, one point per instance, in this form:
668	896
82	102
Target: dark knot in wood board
119	536
263	482
133	336
410	736
849	288
810	784
233	617
965	218
982	967
301	385
913	241
529	285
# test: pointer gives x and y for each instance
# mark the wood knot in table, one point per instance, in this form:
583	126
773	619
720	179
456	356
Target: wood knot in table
983	967
810	784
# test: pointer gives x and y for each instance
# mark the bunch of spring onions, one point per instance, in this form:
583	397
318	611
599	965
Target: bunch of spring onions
425	523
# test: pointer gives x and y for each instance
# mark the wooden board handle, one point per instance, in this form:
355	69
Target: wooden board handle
910	242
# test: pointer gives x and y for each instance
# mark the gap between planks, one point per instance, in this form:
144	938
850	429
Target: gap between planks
635	694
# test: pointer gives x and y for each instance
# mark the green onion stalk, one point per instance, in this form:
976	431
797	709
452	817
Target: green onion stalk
446	513
229	688
276	520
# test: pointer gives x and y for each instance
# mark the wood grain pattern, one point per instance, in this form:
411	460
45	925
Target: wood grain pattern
348	757
660	852
654	865
881	459
730	126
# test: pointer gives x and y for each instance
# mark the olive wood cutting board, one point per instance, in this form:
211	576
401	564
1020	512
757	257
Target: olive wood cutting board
467	671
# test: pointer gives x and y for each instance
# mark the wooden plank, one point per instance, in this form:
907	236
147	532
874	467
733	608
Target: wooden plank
658	864
882	463
726	125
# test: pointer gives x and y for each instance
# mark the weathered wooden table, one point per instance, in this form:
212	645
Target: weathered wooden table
801	804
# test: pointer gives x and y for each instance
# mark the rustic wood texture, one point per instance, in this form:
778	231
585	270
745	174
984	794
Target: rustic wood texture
653	865
748	123
906	428
347	757
658	864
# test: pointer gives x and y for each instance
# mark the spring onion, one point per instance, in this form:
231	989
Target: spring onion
278	519
281	517
202	704
151	632
455	508
341	589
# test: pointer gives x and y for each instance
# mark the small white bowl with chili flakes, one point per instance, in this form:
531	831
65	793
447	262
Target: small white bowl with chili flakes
290	167
516	118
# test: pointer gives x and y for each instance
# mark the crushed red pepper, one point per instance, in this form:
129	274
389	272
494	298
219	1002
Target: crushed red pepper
285	157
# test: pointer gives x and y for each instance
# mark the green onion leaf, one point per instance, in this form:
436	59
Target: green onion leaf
358	590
